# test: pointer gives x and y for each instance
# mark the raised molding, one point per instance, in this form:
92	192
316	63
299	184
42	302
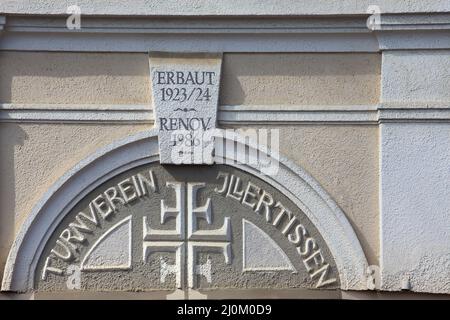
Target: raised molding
141	34
228	34
419	21
167	25
414	115
414	31
220	7
48	113
287	115
229	115
124	34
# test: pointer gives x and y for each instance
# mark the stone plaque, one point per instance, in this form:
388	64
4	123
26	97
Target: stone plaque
185	91
170	227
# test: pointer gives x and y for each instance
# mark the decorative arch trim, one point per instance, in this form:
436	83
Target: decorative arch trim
142	148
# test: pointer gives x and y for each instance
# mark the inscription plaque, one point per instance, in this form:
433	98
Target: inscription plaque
185	90
185	228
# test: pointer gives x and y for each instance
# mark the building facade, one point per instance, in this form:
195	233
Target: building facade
322	135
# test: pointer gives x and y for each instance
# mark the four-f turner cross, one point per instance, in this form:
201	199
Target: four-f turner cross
186	240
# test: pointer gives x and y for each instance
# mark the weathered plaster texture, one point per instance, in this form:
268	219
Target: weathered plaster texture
344	160
416	77
302	78
220	7
248	79
415	204
34	157
74	78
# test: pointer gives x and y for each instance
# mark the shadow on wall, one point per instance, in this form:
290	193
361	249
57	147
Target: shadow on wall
74	78
300	79
12	137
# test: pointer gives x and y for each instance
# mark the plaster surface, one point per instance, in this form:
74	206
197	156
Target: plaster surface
222	7
344	159
393	188
35	78
301	79
74	78
416	78
34	157
415	202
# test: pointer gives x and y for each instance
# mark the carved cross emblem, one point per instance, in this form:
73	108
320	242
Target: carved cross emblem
186	240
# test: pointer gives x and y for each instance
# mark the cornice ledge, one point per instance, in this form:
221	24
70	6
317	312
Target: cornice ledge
412	22
192	25
417	31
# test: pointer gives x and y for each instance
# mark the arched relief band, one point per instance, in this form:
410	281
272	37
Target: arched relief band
141	149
